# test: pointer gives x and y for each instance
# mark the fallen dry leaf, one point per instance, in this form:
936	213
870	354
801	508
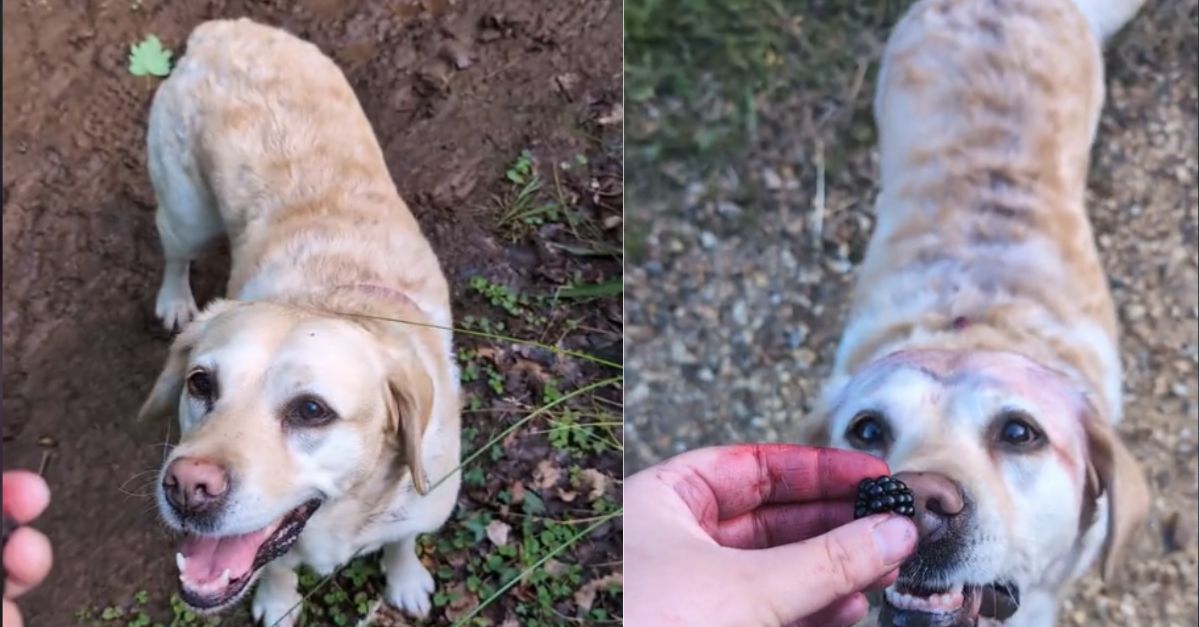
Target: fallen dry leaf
546	474
614	115
517	490
586	596
594	481
489	353
497	532
462	604
555	568
566	496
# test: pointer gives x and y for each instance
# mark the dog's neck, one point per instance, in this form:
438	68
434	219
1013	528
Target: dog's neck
384	292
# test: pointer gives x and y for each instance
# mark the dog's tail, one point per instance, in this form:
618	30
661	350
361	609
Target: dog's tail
1106	17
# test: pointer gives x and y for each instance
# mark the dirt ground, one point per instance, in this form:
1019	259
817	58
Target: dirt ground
456	91
737	293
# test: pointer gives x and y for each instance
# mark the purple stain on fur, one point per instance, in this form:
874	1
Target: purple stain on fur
960	323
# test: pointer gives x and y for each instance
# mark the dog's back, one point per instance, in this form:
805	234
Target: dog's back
986	112
269	133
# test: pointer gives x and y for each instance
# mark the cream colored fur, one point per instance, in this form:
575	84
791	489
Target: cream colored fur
982	290
257	135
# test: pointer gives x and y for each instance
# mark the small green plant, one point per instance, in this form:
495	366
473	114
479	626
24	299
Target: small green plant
138	614
498	295
149	58
524	206
521	171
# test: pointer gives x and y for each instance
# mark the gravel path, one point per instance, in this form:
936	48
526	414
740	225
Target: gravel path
732	322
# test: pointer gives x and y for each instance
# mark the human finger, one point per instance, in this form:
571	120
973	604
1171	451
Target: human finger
26	495
775	525
739	479
832	566
12	616
27	561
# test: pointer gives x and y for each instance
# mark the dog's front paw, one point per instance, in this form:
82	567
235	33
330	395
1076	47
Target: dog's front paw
275	607
409	587
175	306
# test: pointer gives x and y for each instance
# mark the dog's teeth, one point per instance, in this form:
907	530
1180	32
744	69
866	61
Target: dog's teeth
223	582
181	562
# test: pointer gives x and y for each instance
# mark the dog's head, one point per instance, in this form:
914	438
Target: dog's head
1018	479
282	410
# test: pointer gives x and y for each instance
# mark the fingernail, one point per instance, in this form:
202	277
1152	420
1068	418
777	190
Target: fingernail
894	537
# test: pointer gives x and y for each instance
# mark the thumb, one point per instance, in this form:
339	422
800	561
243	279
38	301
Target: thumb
803	578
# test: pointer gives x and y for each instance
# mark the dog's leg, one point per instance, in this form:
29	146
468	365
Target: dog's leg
187	221
277	601
408	583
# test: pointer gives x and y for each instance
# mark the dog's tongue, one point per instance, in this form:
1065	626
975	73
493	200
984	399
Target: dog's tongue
208	557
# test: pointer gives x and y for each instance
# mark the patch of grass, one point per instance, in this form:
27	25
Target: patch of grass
530	203
524	206
692	69
718	87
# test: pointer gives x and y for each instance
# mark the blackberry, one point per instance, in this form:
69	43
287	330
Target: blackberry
885	494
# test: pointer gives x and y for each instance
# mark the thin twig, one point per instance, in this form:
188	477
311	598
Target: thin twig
818	219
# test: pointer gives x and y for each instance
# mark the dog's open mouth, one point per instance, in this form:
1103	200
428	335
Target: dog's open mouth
910	605
214	571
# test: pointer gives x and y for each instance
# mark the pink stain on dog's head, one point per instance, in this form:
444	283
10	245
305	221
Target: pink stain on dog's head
1054	401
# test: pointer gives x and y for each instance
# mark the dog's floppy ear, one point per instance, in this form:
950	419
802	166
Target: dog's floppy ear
411	404
164	397
1114	471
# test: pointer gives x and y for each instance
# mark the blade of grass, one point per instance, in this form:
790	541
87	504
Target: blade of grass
535	413
611	287
500	338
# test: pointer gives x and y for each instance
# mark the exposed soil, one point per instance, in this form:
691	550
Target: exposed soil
455	92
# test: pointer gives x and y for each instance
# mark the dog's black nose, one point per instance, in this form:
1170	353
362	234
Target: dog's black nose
195	487
939	501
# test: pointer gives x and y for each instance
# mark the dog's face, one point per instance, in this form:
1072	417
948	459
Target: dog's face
280	411
1011	467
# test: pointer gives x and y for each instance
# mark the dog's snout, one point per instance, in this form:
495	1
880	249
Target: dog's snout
938	501
195	486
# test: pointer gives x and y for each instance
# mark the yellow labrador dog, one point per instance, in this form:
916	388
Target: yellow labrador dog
312	430
980	358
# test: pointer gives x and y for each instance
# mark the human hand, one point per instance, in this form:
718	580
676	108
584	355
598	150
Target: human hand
27	555
756	535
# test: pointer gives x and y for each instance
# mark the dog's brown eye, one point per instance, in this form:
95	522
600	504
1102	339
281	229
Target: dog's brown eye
1017	430
200	385
867	431
309	411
